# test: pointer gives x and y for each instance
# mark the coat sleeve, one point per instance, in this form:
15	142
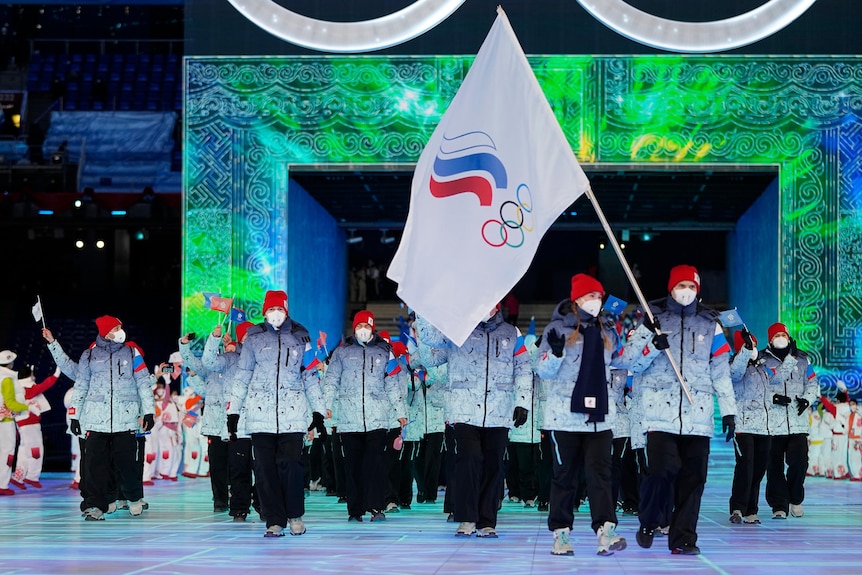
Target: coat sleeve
63	361
812	386
395	385
191	361
311	383
639	352
240	380
739	364
144	382
523	375
12	404
212	360
548	364
332	379
82	385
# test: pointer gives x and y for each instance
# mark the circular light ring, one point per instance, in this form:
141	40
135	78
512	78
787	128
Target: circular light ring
715	36
347	37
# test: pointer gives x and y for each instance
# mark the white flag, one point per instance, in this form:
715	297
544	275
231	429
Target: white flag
37	310
495	175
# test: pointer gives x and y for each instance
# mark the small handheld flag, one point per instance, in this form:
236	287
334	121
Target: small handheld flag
37	311
208	299
615	305
221	304
237	315
730	318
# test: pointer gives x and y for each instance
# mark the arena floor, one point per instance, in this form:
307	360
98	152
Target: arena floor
41	532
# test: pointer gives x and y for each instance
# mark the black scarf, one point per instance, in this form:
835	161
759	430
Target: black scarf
591	389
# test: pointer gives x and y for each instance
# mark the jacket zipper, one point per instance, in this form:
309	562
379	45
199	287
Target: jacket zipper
487	365
681	354
111	379
277	373
364	424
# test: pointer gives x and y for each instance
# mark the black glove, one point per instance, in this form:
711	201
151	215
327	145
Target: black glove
317	423
793	350
652	325
75	426
660	342
557	342
747	339
149	422
232	425
520	416
779	399
801	405
728	426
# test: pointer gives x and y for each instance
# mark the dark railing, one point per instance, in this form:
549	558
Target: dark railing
102	46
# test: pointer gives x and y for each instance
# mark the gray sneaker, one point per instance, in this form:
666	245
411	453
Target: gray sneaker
487	532
122	504
112	508
561	543
93	514
736	516
297	527
609	541
465	529
796	510
136	508
779	515
751	519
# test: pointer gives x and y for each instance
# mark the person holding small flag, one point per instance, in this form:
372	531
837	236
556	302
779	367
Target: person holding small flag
364	386
112	390
678	427
751	387
9	407
574	361
276	384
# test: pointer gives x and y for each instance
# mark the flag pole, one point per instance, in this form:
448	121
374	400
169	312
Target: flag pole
633	281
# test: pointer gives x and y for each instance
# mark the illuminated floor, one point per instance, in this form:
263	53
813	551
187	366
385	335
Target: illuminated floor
41	532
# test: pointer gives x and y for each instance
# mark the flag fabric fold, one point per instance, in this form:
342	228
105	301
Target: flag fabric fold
730	318
494	176
37	310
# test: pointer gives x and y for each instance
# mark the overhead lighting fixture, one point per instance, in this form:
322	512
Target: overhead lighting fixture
353	239
79	244
384	239
100	244
118	212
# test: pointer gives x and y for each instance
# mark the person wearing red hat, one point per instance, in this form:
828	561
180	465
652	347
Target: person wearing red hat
276	393
677	440
574	361
113	388
490	390
793	387
753	399
363	385
231	462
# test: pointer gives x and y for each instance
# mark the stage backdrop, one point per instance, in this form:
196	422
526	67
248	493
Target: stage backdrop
248	120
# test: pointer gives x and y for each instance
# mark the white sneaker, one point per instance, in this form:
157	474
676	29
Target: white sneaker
529	503
609	541
514	500
274	531
112	508
136	508
779	515
487	532
93	514
391	508
796	510
122	504
561	543
736	516
297	527
751	519
465	529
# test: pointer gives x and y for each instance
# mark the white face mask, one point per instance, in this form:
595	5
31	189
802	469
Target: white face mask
780	342
684	297
119	336
363	334
753	355
275	318
592	307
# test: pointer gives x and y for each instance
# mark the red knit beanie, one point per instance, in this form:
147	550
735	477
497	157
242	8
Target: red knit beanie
582	284
241	329
275	298
363	316
776	328
683	274
738	342
106	323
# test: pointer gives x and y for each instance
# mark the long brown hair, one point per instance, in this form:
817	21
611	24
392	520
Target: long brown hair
576	333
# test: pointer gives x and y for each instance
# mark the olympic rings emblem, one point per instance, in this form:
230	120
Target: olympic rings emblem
516	220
